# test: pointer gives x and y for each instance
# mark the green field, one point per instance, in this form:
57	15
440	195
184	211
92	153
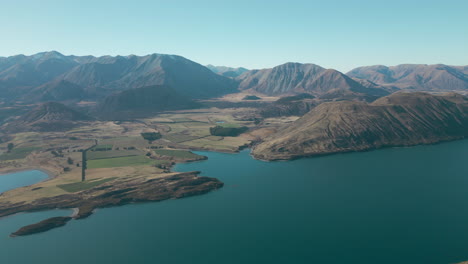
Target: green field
182	120
177	153
81	186
94	155
120	162
18	153
228	125
120	142
177	138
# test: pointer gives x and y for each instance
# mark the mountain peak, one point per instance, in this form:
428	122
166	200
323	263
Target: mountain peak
48	55
293	78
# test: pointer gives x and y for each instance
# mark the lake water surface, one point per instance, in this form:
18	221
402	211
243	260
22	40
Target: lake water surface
401	205
19	179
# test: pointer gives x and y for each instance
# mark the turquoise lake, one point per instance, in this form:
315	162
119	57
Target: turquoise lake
19	179
397	205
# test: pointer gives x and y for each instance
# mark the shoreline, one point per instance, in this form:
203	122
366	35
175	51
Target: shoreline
75	212
83	204
324	154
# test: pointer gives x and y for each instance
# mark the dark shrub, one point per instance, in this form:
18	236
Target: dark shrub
227	131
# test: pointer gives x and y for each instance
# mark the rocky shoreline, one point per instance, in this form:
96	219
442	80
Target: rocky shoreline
117	193
295	156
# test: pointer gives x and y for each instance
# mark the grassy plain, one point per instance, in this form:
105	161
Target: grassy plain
181	131
177	153
94	155
81	186
120	162
18	153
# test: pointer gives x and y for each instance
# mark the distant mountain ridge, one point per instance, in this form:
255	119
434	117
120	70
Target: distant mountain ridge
227	71
53	76
294	78
437	77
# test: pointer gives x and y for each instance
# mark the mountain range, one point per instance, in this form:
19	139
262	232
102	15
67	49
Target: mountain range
294	78
52	76
367	108
420	77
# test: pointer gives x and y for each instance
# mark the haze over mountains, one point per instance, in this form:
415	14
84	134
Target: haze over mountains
436	77
51	76
227	71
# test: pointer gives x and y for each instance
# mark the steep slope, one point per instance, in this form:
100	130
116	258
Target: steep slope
399	119
53	111
293	78
108	74
57	90
143	101
49	116
282	79
422	77
463	69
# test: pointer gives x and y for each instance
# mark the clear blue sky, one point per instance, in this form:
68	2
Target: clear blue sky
253	34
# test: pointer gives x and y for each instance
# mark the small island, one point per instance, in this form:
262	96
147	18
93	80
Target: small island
42	226
251	98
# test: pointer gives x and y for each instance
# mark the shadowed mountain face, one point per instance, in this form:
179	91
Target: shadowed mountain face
143	101
53	111
293	78
400	119
49	116
422	77
121	73
58	90
51	75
